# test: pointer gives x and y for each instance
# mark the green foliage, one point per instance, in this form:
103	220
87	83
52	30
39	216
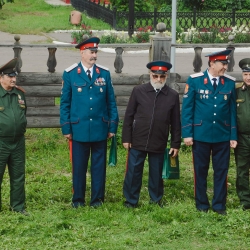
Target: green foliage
77	35
139	5
142	35
113	37
212	5
216	35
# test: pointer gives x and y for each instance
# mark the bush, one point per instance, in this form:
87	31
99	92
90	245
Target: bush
142	35
215	35
111	37
77	35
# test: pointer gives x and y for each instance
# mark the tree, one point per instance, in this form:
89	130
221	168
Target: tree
2	2
122	5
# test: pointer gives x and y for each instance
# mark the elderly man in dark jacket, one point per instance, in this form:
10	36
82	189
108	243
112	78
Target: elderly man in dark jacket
152	112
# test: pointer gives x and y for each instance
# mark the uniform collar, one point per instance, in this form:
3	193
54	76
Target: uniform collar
4	92
211	77
85	69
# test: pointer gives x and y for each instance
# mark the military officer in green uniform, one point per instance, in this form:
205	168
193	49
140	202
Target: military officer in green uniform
12	142
242	151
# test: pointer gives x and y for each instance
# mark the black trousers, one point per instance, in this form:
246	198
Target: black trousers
133	179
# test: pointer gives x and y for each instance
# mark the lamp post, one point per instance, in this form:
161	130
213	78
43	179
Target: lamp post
173	32
131	17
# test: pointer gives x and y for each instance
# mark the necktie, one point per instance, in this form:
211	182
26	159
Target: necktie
214	83
88	74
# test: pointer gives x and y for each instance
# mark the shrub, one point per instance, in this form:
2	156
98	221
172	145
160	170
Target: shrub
142	35
77	35
216	35
111	37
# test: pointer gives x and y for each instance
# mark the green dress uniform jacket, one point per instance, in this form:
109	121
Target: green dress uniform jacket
242	151
208	115
12	143
12	114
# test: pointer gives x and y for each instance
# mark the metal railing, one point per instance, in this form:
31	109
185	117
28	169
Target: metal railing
119	19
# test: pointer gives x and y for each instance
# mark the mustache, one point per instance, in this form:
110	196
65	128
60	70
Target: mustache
93	59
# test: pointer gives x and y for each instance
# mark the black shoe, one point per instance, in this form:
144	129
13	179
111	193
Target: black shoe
202	210
23	212
129	205
245	207
78	204
221	212
96	205
156	203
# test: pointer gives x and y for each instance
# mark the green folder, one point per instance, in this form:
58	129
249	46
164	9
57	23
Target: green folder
171	168
113	152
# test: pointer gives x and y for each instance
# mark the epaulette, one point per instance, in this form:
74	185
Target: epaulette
102	67
71	67
20	88
230	77
197	74
239	85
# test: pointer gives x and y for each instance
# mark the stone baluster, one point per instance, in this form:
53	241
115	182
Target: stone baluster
197	63
118	64
161	45
51	63
17	53
231	63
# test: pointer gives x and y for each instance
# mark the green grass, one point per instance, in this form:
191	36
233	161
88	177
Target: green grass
34	17
53	224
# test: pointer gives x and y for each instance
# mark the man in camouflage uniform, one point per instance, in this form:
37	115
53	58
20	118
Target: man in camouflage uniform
242	151
12	142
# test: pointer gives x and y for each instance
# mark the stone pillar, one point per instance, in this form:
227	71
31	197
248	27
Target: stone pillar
161	45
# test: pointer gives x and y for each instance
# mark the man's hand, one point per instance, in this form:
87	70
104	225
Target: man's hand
110	135
173	152
233	144
69	136
127	145
188	141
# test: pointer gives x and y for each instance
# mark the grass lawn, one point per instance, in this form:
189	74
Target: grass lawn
33	17
53	224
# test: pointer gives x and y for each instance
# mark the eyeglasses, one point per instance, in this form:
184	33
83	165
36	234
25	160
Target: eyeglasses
162	77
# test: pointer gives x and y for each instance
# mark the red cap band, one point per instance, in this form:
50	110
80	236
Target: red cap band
89	45
214	58
159	68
